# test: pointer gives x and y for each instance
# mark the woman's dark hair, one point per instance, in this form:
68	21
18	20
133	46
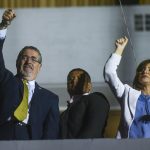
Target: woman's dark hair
81	86
136	84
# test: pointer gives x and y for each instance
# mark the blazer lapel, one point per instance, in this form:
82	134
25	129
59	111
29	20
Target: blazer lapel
20	88
34	102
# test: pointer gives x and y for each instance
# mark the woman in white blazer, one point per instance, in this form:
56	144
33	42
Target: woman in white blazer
134	101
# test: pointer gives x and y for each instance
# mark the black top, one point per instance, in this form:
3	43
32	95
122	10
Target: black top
85	118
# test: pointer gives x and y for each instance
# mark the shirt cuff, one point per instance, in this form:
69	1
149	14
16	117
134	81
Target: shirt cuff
3	33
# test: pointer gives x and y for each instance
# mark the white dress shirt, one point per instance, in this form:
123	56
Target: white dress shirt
3	33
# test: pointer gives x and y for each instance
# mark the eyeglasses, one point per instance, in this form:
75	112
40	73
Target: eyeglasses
32	58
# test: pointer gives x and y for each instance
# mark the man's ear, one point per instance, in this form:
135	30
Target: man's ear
40	65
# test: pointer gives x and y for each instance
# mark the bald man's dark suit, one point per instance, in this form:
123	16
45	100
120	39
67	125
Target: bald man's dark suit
43	113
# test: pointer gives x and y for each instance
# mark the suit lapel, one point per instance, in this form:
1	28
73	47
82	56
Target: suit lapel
20	88
34	102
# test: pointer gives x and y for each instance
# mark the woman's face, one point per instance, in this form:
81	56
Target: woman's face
144	75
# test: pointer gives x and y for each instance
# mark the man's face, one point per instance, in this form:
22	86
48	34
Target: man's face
29	65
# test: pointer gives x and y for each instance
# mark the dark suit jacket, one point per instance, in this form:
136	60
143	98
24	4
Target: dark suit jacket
85	118
43	112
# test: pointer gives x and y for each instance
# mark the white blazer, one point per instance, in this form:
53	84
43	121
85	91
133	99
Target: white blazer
125	94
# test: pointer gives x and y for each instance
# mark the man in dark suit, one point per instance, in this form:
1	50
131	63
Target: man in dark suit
86	114
38	117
